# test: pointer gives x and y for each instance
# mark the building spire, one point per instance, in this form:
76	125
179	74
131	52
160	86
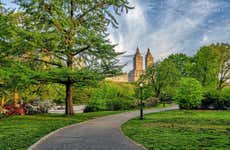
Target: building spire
138	51
148	51
148	59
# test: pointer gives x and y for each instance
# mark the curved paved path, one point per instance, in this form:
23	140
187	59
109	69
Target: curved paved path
98	134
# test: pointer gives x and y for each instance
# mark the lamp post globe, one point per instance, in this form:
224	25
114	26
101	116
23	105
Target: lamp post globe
141	85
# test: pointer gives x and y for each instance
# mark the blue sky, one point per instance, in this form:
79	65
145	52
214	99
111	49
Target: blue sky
170	26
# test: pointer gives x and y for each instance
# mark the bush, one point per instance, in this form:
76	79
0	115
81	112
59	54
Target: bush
120	104
225	96
14	110
96	105
37	107
211	98
215	99
111	96
81	95
189	93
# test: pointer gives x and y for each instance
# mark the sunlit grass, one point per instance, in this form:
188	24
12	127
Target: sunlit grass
181	130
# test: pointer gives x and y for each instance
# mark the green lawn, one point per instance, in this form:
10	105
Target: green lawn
19	132
181	130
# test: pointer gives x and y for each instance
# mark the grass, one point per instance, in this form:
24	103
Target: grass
19	132
190	130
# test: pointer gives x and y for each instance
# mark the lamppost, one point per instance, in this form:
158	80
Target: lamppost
141	104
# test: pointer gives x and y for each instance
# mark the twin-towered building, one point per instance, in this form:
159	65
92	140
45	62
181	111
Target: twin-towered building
138	68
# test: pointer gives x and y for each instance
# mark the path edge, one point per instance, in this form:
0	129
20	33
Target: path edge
131	140
33	146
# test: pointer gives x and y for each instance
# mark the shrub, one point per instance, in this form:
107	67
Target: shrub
37	107
111	96
225	97
82	95
215	99
120	104
211	97
189	93
14	110
96	105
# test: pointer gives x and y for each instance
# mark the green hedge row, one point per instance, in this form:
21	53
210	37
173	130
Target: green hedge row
112	96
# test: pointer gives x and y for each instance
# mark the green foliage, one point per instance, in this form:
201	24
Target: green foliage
81	95
182	63
223	51
205	67
189	93
112	96
161	78
60	37
225	94
43	92
120	104
216	99
174	130
210	66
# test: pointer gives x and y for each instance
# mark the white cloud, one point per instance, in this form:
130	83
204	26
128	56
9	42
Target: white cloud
180	29
135	25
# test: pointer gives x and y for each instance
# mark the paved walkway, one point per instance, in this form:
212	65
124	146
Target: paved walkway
98	134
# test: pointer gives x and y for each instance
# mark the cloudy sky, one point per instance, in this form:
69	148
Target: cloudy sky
171	26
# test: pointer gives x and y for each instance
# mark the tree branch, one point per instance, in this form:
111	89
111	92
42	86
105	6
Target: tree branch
44	61
91	9
81	50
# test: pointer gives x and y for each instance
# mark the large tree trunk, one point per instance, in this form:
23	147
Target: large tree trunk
69	91
70	56
69	99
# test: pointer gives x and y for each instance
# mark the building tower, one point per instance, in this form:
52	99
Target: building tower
148	59
138	61
135	74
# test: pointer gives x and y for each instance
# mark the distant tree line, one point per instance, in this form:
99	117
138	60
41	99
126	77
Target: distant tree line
210	66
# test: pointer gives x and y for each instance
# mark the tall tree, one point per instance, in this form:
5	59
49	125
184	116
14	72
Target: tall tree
69	31
161	77
205	66
182	63
212	65
223	51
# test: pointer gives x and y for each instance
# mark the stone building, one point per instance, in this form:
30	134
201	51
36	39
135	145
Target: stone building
135	74
137	70
137	67
120	78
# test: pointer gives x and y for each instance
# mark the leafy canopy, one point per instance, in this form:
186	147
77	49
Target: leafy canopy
189	93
